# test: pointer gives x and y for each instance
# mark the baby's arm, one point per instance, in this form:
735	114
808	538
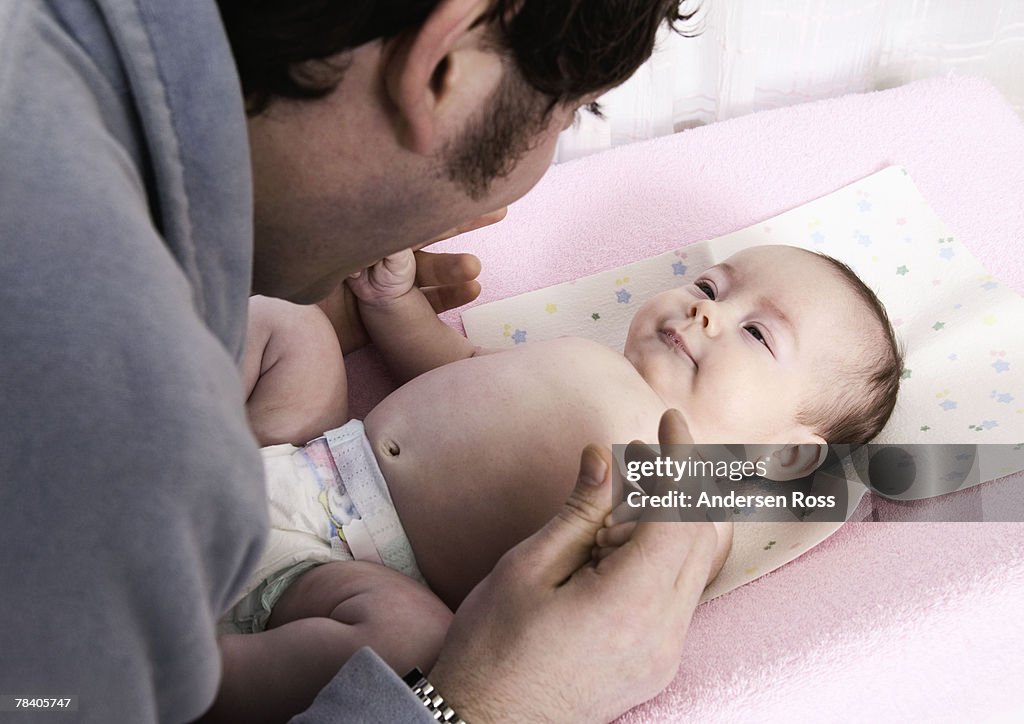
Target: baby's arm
293	372
401	322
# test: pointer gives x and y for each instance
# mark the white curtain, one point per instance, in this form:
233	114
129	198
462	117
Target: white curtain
757	54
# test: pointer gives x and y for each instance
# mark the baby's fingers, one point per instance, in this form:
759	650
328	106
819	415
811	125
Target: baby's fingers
622	513
615	535
599	553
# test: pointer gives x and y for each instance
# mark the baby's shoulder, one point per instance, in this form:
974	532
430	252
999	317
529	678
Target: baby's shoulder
608	381
583	356
569	362
579	350
569	343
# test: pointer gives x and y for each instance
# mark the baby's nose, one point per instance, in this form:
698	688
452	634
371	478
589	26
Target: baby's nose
705	314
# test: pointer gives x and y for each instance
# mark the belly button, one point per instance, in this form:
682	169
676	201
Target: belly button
389	447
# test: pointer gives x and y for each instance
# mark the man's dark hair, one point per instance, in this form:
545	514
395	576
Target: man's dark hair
564	49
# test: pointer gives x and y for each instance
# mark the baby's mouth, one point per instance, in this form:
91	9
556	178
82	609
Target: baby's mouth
675	340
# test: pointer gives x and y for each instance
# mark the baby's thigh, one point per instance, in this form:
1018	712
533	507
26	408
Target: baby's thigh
401	619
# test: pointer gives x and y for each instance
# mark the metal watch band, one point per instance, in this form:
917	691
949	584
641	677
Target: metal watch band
431	698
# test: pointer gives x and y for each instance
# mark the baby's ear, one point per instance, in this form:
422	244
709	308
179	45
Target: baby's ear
795	461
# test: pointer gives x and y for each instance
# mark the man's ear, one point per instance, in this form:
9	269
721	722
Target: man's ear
795	461
418	69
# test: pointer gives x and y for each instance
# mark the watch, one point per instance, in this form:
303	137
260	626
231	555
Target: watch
431	698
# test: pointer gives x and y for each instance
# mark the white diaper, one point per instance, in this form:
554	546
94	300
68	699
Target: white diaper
328	501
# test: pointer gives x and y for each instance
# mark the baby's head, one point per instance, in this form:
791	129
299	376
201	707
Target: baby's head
775	345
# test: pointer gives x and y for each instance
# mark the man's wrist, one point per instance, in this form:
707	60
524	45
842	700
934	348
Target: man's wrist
432	698
477	702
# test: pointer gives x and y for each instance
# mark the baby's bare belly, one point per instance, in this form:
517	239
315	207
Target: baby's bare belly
481	453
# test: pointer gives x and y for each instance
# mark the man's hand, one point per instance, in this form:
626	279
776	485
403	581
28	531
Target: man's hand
552	635
447	281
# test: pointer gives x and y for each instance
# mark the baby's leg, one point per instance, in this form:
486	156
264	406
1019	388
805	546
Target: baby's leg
293	372
323	618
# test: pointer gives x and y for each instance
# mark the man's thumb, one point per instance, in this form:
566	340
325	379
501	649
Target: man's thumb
563	545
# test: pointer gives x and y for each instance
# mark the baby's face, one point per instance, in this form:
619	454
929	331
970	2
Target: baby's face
745	347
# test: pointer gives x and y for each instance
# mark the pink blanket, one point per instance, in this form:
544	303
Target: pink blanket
884	621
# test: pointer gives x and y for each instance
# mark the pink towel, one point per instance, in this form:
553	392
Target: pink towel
884	621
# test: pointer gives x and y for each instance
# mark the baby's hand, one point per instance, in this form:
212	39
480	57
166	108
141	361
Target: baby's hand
385	281
610	537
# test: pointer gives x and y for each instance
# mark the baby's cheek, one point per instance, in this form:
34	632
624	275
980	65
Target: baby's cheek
728	416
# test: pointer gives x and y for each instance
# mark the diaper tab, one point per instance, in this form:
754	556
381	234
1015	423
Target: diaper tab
375	533
360	542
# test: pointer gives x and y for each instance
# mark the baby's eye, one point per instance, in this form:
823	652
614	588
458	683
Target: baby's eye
756	334
709	291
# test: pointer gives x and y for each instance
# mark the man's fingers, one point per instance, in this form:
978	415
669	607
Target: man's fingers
447	280
673	430
565	544
437	269
452	296
639	454
672	553
491	217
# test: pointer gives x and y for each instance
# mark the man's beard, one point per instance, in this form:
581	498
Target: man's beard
492	143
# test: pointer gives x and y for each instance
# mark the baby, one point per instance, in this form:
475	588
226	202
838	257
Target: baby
776	346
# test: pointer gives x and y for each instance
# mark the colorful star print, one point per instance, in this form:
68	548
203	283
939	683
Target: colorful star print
678	268
1000	365
519	336
902	270
623	296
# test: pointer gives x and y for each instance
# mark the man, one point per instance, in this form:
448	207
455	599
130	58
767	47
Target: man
131	504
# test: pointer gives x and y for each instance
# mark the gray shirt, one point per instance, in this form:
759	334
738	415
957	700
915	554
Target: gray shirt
131	491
